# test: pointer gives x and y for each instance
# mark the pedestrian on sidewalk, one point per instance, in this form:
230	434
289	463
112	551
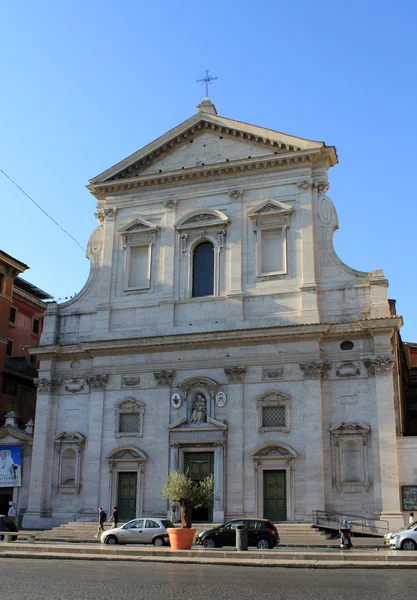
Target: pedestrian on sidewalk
12	511
101	520
114	517
411	518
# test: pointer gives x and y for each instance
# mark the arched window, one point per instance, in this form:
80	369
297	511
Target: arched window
68	467
203	270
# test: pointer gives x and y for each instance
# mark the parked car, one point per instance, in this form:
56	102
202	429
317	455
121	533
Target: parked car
139	531
261	534
406	539
388	536
7	524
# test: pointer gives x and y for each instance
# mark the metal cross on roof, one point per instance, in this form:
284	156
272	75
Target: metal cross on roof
207	79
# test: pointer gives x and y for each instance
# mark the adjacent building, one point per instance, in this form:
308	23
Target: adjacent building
218	332
22	306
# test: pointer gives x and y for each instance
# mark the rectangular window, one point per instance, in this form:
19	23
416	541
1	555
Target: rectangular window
13	314
138	276
272	255
1	283
36	326
9	387
273	416
9	348
129	423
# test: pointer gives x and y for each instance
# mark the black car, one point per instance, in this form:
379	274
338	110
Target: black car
7	525
261	534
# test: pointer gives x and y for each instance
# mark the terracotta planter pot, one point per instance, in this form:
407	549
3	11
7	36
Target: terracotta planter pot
181	539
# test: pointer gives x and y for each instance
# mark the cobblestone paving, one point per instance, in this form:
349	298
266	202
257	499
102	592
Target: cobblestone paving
72	580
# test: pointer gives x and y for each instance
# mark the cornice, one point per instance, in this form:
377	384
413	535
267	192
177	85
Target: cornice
239	337
288	159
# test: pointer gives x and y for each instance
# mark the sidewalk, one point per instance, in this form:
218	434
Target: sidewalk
273	558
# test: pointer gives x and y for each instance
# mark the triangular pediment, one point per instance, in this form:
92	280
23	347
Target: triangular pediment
138	225
210	425
11	435
206	139
270	207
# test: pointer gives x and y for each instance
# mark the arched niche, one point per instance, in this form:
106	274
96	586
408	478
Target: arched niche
194	386
68	460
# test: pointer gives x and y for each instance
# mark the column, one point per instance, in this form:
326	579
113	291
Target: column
218	509
174	457
233	265
386	482
313	497
92	458
38	514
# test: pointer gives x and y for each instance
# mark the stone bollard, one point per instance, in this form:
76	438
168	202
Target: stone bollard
241	538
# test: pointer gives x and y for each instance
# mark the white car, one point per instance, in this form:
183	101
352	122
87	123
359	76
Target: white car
406	539
139	531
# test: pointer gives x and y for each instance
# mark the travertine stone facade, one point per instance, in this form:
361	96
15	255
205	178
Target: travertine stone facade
280	378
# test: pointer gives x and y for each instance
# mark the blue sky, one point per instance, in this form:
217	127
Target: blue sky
85	84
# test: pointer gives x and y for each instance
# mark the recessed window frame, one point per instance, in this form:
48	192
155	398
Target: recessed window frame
9	348
274	399
194	227
213	268
36	320
138	234
14	320
129	406
267	217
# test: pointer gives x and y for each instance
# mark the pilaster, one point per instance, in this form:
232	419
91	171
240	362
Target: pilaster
314	495
235	441
38	514
92	458
308	288
106	216
218	509
386	482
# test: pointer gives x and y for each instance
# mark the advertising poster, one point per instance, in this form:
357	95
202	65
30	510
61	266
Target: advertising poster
10	466
409	493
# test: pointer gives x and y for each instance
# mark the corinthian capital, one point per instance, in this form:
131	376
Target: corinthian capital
322	186
315	369
97	382
47	385
306	184
163	378
379	365
106	213
235	374
235	195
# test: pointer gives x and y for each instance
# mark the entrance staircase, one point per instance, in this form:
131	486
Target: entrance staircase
298	534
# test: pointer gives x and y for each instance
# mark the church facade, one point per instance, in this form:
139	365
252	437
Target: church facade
218	332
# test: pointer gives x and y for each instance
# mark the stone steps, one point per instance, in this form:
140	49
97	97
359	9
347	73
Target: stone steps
296	532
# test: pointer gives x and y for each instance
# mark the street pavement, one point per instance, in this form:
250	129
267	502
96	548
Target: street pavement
50	579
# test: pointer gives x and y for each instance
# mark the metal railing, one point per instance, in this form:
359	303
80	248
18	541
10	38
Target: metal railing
324	519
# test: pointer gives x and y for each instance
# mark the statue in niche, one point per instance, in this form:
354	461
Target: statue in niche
199	410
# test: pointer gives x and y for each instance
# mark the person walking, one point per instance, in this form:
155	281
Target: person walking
101	520
114	517
411	519
12	511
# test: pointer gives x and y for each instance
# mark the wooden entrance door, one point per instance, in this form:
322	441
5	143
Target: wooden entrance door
275	495
126	495
199	465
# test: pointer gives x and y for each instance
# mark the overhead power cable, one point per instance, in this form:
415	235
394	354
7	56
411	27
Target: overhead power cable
44	211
